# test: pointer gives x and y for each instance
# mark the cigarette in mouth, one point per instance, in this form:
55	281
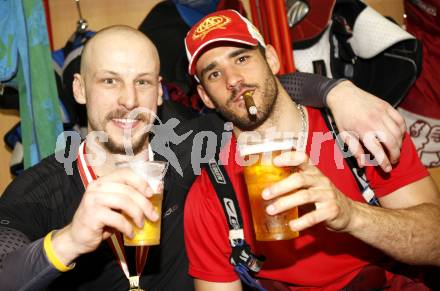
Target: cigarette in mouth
249	102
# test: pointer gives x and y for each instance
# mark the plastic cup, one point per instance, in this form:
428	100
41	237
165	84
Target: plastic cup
153	173
260	174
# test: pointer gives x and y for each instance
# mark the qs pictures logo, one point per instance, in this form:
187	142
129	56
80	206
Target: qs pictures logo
210	24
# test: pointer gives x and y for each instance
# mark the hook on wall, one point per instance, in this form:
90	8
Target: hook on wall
82	24
296	11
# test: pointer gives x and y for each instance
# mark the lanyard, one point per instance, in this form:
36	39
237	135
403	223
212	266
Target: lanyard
115	240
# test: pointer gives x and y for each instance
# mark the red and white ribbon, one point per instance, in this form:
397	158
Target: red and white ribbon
115	241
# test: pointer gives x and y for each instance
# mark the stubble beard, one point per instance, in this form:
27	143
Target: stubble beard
129	143
137	145
246	122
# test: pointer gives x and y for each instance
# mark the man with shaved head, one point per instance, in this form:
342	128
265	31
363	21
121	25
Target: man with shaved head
53	225
114	80
67	218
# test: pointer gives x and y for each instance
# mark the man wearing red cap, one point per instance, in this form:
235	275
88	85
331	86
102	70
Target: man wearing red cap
343	240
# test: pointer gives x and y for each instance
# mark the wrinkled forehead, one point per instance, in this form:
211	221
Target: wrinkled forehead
221	50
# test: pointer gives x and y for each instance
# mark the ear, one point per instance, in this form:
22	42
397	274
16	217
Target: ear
79	91
205	98
272	59
160	92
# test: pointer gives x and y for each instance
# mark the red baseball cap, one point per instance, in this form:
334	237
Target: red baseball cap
223	25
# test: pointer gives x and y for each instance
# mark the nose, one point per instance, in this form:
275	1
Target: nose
128	97
233	78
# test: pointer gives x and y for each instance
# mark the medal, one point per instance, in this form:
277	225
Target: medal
134	284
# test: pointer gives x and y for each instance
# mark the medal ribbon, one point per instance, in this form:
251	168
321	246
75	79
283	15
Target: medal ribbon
115	240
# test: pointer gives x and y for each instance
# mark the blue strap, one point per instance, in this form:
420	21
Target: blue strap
244	261
243	272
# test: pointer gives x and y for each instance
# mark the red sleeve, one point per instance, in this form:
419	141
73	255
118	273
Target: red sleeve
409	169
206	234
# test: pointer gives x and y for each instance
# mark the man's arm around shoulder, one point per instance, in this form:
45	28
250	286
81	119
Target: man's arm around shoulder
406	227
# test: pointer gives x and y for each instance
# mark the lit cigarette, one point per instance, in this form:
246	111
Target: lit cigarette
249	102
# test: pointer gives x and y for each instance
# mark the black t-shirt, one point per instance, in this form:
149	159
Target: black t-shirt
44	198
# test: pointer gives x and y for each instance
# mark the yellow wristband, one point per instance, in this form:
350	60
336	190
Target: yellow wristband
50	253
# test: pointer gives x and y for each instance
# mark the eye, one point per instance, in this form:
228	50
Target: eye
214	75
243	59
142	82
109	81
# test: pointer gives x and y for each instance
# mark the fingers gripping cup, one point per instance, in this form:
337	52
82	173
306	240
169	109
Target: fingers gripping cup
153	173
260	173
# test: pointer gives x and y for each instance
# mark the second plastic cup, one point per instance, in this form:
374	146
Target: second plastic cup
259	174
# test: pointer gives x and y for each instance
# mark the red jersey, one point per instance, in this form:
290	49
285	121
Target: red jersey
318	258
423	21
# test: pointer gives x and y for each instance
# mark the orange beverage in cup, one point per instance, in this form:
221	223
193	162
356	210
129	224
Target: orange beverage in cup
148	235
260	174
153	173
